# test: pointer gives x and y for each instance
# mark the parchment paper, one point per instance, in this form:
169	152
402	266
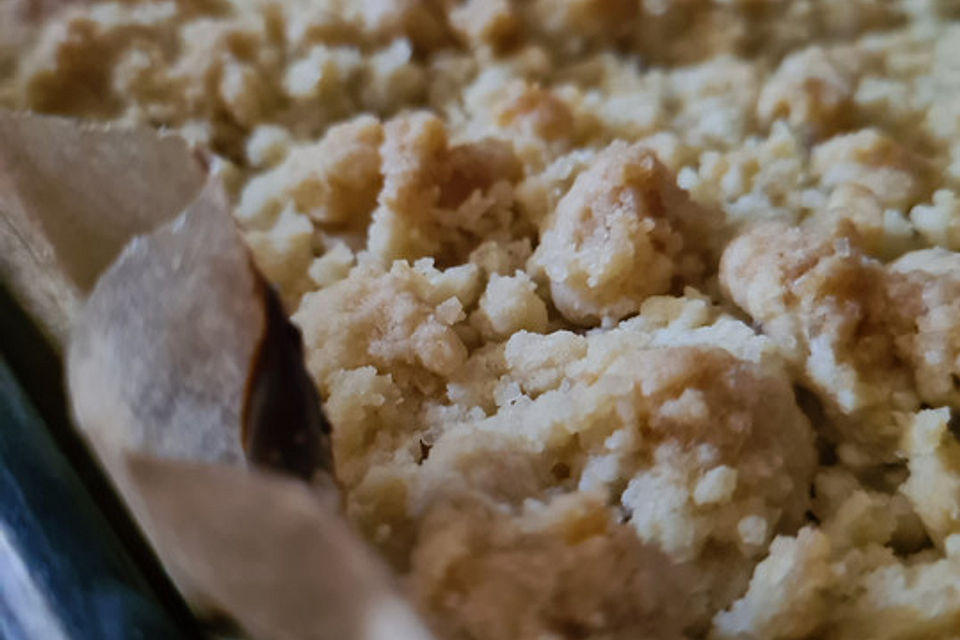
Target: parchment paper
184	376
71	196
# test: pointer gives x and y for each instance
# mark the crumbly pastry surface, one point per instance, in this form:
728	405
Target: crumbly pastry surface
633	318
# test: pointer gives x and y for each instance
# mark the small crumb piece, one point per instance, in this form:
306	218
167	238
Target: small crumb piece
939	221
952	545
267	145
332	266
510	304
623	232
752	530
716	486
334	181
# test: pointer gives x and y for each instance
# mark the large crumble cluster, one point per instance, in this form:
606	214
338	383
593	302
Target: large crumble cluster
633	318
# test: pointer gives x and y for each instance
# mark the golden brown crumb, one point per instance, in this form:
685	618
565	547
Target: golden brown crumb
868	159
440	199
492	22
623	232
930	295
334	182
834	313
813	89
552	579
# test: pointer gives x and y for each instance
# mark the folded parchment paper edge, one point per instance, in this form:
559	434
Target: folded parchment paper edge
269	551
53	244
